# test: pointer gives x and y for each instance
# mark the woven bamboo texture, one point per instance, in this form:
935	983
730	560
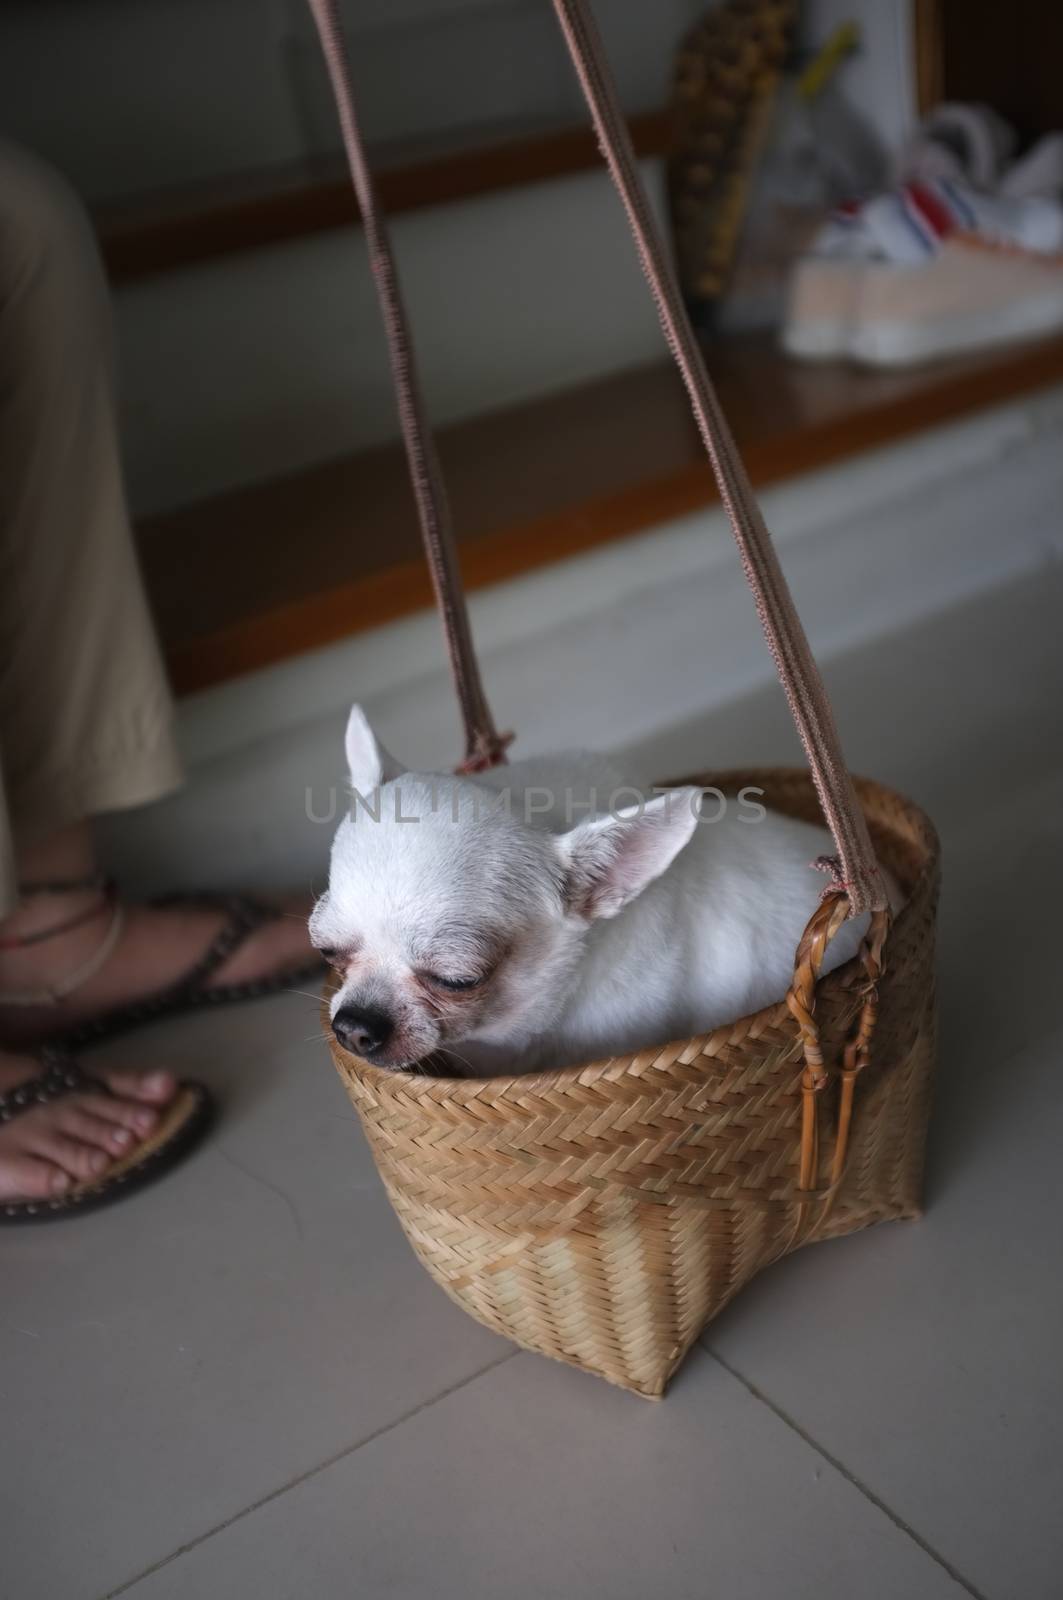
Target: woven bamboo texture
604	1214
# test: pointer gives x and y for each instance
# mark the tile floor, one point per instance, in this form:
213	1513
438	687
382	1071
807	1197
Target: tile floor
243	1384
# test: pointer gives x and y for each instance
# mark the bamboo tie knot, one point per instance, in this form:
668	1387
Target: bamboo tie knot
489	751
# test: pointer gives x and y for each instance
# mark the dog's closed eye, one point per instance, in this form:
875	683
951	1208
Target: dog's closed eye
454	985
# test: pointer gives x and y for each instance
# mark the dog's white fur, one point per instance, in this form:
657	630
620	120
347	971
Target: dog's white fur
573	941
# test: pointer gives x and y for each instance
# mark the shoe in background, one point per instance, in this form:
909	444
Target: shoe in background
965	255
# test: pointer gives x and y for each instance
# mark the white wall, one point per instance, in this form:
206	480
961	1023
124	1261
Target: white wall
133	95
269	361
264	363
879	78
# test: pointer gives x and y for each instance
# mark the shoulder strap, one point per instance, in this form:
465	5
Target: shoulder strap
805	694
782	627
484	746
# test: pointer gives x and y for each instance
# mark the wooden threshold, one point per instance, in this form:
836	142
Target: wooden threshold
183	226
263	573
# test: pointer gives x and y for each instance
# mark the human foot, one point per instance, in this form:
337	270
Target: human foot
154	948
49	1149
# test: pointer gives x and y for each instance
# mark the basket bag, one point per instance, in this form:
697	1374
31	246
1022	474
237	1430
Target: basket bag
602	1214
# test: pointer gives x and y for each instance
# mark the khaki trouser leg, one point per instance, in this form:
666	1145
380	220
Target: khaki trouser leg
86	720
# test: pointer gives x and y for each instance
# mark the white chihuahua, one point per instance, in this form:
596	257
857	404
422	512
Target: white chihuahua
474	917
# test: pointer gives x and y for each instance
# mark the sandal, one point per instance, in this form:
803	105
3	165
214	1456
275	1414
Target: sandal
243	916
181	1125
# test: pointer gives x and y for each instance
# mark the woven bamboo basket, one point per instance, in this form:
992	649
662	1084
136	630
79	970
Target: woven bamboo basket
604	1214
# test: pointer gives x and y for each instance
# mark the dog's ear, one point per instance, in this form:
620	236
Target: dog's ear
607	861
368	763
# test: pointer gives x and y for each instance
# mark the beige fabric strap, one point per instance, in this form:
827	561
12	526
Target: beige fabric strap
782	629
484	746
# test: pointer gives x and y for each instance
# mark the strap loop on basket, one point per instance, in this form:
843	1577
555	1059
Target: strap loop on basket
858	1047
824	923
801	1000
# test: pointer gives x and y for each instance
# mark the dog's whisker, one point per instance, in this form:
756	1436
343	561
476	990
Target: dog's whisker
457	1055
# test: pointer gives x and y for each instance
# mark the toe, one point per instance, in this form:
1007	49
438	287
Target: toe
149	1088
84	1120
132	1116
27	1177
81	1161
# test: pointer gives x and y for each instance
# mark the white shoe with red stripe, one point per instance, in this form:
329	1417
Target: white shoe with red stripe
931	269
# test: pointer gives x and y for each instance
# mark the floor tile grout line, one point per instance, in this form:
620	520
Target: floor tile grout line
304	1477
849	1476
425	1405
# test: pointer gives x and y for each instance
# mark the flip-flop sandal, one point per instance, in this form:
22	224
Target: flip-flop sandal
193	991
181	1125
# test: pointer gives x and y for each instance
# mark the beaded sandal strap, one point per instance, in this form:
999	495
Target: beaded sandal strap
50	994
39	886
61	1076
104	886
243	916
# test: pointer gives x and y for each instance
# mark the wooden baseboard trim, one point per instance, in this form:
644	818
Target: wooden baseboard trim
182	228
268	572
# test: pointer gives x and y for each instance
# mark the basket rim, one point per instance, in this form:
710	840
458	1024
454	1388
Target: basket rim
463	1091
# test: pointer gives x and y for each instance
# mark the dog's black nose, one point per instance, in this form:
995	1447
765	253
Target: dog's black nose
362	1029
